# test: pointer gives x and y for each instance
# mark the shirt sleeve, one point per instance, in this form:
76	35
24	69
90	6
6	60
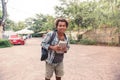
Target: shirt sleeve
46	39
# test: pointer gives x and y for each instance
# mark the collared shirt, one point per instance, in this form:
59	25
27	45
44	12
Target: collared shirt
45	44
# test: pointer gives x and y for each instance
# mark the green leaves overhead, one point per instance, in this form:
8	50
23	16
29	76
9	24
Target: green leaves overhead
40	22
81	14
90	13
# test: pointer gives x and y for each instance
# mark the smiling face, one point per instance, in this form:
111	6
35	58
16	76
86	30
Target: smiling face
61	27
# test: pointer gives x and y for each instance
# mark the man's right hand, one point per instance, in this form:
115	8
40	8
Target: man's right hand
55	48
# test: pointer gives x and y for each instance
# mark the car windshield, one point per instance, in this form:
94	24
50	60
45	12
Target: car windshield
14	36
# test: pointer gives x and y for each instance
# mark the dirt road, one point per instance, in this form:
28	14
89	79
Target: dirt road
81	62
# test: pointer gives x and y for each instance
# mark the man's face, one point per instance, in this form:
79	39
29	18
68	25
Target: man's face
61	27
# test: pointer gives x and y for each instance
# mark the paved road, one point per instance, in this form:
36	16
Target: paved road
81	62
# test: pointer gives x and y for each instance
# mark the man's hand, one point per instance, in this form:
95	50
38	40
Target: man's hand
57	48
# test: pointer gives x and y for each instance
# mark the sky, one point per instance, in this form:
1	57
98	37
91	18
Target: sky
19	10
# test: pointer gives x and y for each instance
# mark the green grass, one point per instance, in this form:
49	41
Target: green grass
5	43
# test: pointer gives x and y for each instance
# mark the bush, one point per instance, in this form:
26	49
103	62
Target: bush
79	37
5	43
87	42
37	35
72	41
113	44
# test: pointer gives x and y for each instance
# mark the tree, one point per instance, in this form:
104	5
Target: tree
93	13
9	24
40	22
49	24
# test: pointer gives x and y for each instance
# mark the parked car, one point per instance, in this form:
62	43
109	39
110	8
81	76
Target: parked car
16	39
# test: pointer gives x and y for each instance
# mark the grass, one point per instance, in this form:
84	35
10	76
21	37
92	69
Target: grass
5	43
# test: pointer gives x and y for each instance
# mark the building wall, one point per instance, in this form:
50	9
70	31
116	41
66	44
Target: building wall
103	35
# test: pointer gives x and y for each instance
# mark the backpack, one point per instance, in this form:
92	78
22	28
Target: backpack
44	52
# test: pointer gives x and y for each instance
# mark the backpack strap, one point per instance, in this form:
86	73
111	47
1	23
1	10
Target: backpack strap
52	37
65	37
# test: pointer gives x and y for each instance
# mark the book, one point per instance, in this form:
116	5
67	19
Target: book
62	44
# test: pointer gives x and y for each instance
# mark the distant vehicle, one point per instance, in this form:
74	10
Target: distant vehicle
24	37
16	39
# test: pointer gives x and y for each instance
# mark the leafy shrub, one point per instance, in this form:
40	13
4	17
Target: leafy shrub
79	37
37	35
5	43
113	44
87	42
72	41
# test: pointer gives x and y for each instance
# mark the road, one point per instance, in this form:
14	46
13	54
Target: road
22	62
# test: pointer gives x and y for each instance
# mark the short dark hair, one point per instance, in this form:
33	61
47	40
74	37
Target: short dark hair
61	20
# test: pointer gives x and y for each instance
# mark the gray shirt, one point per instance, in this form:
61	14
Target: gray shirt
58	58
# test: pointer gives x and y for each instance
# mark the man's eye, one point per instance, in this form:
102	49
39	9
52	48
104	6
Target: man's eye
61	25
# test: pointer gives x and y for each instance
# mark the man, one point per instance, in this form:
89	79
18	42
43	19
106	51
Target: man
54	62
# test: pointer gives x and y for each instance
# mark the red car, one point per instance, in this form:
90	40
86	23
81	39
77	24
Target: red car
16	39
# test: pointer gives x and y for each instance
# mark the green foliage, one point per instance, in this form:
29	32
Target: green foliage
5	43
49	24
37	35
40	23
83	41
20	25
79	37
72	41
90	13
11	25
113	44
87	42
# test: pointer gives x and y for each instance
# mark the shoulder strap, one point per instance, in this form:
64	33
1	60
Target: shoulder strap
66	37
52	37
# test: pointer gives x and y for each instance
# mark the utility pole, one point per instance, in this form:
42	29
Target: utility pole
4	16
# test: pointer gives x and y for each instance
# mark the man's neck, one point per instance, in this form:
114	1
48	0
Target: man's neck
60	34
